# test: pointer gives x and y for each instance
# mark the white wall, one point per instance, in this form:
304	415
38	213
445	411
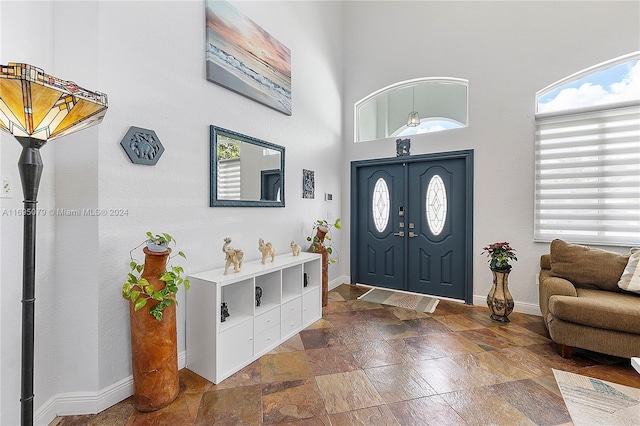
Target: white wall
148	57
507	51
16	47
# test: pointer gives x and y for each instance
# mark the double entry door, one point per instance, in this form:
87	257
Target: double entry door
412	224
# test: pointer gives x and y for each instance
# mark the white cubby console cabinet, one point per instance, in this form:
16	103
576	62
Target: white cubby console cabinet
216	349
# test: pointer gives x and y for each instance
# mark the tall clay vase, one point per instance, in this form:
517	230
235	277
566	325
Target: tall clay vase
154	351
318	247
499	299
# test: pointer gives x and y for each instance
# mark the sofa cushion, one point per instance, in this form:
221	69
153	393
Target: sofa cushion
587	267
599	309
630	279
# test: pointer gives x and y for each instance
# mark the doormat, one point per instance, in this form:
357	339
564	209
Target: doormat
596	402
413	301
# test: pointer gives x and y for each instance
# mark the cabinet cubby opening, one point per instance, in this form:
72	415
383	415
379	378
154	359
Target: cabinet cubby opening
314	279
239	298
271	291
292	282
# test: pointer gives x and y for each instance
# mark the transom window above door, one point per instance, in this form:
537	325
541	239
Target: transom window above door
411	107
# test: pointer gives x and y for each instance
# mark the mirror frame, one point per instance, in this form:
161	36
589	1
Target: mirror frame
214	131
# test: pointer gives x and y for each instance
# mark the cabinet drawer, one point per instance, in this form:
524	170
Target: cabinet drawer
267	339
311	306
292	308
235	346
291	325
267	320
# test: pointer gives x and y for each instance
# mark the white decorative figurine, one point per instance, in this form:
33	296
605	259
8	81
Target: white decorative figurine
295	249
266	250
232	256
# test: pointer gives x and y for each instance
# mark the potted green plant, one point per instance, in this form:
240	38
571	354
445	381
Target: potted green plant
154	352
158	242
322	229
137	288
499	255
499	299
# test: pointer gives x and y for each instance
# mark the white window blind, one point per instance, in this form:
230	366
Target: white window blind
229	179
588	176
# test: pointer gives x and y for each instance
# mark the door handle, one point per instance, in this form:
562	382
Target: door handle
412	234
399	234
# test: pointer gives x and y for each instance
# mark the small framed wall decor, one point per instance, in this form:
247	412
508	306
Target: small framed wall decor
142	146
308	184
403	147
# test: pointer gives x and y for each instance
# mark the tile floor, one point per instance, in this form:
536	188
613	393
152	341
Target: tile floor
369	364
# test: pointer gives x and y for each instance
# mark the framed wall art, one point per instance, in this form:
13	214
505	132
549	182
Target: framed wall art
308	184
245	58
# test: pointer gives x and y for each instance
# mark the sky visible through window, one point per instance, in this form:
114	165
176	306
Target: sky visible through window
618	83
430	125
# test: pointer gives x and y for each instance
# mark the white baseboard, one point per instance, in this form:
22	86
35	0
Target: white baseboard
522	307
71	403
338	281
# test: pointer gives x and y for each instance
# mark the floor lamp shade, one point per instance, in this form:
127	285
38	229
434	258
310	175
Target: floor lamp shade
36	107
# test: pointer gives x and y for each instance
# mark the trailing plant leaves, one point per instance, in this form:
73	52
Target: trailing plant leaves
157	314
140	303
134	295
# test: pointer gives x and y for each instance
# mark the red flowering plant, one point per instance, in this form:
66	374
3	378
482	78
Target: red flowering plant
499	255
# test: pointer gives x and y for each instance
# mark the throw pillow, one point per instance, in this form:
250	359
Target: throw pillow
587	267
630	280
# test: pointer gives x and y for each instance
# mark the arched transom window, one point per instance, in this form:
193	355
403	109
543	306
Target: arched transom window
411	107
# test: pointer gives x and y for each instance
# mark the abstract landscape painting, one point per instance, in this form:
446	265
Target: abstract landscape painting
243	57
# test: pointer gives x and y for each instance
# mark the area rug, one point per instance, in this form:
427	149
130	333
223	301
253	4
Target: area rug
413	301
596	402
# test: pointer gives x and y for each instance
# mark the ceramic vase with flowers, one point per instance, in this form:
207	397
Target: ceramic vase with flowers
499	299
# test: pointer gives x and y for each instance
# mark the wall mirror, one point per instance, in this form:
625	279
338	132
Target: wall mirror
411	107
245	171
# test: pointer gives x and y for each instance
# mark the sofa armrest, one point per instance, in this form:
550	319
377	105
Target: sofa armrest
550	286
545	261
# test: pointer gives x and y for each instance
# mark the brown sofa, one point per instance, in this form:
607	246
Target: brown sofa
582	305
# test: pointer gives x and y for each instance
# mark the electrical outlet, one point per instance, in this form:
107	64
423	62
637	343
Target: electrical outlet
328	196
7	188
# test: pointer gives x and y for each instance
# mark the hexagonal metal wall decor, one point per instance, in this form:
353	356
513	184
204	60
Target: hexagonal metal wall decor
142	146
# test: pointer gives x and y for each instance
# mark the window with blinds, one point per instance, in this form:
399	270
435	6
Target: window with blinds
229	179
587	165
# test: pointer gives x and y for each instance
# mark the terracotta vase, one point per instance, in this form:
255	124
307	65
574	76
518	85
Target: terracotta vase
154	351
499	298
318	247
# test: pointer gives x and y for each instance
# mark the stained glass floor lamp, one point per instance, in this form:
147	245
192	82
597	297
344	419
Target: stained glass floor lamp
36	108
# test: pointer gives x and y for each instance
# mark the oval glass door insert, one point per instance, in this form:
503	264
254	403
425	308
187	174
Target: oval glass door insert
436	205
380	205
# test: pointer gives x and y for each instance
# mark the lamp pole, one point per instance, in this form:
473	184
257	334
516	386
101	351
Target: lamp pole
30	167
50	109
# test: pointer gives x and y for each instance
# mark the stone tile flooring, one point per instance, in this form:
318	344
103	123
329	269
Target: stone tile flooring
369	364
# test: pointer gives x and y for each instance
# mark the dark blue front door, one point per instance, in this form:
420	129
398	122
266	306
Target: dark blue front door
412	224
436	223
381	248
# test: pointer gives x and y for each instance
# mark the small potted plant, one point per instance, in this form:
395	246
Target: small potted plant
499	299
154	350
322	230
158	242
139	290
499	255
